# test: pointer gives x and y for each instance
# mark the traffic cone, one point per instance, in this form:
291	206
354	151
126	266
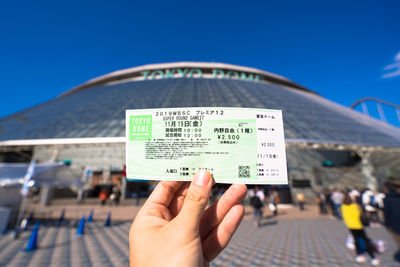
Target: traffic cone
108	221
81	226
90	218
32	242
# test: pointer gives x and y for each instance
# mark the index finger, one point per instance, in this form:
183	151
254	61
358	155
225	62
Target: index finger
214	215
164	193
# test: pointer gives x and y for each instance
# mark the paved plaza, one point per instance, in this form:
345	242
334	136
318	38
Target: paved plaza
279	242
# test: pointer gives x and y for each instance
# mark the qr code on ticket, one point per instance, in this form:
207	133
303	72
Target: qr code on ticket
244	171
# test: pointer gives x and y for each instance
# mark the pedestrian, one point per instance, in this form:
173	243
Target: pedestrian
329	202
355	195
257	202
103	197
391	210
300	200
351	213
320	199
337	200
117	195
274	201
371	207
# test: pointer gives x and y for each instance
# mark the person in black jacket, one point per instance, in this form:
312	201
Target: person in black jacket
391	211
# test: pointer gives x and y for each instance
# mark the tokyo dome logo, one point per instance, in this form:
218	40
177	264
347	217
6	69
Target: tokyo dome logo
140	127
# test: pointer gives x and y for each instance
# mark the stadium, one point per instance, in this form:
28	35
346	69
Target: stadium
327	145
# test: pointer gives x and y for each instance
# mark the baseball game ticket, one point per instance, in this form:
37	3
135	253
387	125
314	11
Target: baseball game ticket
237	145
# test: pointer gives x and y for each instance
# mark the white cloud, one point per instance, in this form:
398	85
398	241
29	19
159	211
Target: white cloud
393	68
397	57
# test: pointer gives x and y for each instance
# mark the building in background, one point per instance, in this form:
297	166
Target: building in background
327	145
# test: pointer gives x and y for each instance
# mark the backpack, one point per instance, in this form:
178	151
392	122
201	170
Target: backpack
255	202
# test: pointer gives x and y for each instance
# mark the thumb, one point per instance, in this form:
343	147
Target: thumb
196	200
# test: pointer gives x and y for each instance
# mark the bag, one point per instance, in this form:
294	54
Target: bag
271	207
350	242
255	202
364	219
380	245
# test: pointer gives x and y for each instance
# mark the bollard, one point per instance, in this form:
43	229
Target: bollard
90	218
108	221
32	242
81	226
61	219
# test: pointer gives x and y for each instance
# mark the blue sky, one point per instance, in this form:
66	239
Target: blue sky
339	49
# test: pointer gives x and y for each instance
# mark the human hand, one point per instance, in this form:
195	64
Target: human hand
174	228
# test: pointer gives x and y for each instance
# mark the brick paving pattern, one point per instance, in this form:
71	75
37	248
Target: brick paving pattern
279	242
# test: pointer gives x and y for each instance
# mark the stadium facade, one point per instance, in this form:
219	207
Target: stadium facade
327	144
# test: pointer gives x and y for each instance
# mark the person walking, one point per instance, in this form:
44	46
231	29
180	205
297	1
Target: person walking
391	211
351	213
300	200
103	197
370	206
274	201
329	202
117	195
257	202
337	200
320	200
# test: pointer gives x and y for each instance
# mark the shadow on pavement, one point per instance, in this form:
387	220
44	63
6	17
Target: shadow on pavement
269	223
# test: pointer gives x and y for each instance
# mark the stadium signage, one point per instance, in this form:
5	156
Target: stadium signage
198	73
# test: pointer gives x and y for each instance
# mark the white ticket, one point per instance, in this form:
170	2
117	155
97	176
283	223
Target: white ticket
237	145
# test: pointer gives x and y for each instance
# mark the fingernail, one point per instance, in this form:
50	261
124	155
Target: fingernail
201	178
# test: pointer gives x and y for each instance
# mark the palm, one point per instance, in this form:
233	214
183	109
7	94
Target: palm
216	226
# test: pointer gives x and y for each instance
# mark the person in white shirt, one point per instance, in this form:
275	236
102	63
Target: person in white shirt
370	203
257	202
337	200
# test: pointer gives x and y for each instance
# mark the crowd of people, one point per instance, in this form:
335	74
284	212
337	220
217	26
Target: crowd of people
114	196
256	198
357	209
370	201
209	216
363	208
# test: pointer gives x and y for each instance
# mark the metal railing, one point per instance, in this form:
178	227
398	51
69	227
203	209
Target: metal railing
378	102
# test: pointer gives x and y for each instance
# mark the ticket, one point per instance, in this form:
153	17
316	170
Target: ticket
237	145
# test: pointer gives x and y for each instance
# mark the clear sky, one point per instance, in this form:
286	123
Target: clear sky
343	50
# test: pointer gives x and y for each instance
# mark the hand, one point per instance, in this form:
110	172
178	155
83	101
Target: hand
174	228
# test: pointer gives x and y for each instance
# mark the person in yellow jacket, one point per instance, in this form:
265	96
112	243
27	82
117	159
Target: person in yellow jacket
351	213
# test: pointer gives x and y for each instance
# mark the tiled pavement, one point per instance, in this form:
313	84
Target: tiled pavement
279	242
